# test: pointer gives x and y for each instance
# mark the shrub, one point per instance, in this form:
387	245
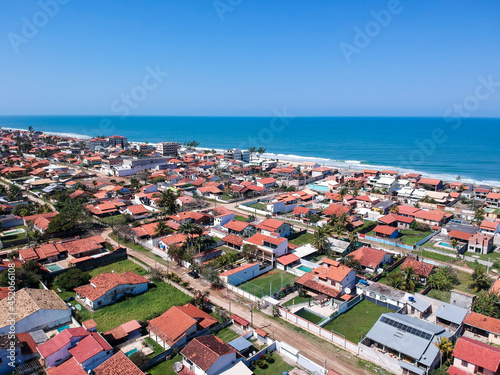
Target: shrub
72	279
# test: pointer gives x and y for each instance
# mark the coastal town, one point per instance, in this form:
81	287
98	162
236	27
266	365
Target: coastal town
119	257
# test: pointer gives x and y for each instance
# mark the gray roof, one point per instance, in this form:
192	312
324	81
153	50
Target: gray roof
384	290
467	228
240	344
412	368
384	204
451	313
407	335
419	304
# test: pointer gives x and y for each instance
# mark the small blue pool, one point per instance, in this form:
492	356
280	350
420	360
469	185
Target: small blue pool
445	245
130	352
305	269
60	329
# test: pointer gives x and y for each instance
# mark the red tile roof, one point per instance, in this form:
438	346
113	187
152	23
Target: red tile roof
118	364
477	353
60	340
239	320
384	229
205	350
233	240
259	238
237	269
103	283
460	235
271	225
483	322
456	371
420	268
236	225
71	366
89	347
336	210
287	259
368	256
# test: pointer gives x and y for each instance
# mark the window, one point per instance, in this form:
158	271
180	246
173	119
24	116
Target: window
382	298
465	363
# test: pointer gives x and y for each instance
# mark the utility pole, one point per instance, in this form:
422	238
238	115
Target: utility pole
488	266
251	314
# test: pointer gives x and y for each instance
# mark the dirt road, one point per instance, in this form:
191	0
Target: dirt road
316	350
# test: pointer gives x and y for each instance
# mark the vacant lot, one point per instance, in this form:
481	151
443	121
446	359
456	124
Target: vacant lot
274	280
119	267
227	334
302	239
411	237
357	321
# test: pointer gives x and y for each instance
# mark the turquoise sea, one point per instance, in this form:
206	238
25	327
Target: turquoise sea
444	148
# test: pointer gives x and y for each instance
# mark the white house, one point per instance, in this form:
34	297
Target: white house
270	247
56	350
36	309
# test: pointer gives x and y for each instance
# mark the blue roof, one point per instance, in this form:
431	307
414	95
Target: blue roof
240	344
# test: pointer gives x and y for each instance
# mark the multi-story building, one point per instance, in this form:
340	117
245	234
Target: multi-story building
237	154
117	140
95	143
167	148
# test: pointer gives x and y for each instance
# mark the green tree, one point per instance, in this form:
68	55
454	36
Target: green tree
250	252
479	215
478	280
28	275
320	239
190	230
445	347
487	304
395	280
162	229
72	279
442	279
408	274
201	300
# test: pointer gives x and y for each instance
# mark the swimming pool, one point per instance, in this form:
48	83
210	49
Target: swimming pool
12	232
60	329
445	245
309	315
305	269
130	352
54	267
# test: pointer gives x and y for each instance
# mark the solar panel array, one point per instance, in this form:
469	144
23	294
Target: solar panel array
404	327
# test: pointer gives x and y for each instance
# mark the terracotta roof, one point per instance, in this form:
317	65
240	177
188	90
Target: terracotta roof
60	340
271	225
336	210
233	239
489	225
483	322
89	347
420	268
84	245
384	229
477	353
368	256
300	210
239	320
138	209
237	269
118	364
259	238
103	283
307	280
236	225
452	370
71	366
89	324
205	350
391	218
429	181
460	235
287	259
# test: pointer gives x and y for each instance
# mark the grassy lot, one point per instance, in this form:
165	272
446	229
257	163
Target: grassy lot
358	320
383	280
302	239
296	300
14	237
277	367
142	307
119	267
240	218
114	220
411	237
137	247
462	282
228	250
227	334
165	368
435	256
157	349
259	206
260	285
366	226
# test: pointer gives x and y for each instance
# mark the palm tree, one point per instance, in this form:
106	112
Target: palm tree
252	150
479	215
343	192
454	244
320	239
394	210
445	347
478	280
408	276
353	240
161	229
190	229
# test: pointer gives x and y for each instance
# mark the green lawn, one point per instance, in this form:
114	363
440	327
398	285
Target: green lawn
142	307
462	282
165	368
277	367
358	320
435	256
240	218
259	206
259	286
296	300
114	220
227	334
138	247
411	237
302	239
383	280
157	349
119	267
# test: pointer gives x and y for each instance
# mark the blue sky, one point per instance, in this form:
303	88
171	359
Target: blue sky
248	58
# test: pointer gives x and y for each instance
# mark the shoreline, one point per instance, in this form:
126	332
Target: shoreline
347	165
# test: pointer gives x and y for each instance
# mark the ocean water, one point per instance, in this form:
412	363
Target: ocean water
436	147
